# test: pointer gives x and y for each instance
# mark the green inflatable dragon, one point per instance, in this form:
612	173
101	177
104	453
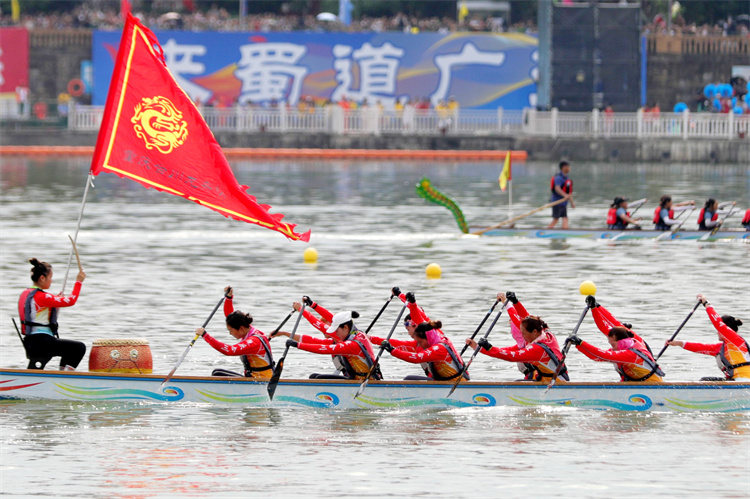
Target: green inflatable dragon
427	191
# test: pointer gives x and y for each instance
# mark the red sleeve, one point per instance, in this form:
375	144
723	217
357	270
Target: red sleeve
703	348
417	314
529	353
521	311
341	348
604	319
315	322
249	346
725	332
514	317
228	307
435	353
312	339
45	299
376	340
599	355
324	313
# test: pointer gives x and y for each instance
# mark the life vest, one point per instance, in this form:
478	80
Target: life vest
660	224
26	312
725	361
615	222
641	372
567	186
548	369
355	366
444	371
702	219
258	363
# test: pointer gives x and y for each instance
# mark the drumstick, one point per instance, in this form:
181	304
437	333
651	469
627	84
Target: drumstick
75	250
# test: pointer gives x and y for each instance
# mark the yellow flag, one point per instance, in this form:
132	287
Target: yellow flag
505	175
463	11
15	11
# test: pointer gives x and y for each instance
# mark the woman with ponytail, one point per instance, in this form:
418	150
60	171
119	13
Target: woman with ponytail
732	353
37	310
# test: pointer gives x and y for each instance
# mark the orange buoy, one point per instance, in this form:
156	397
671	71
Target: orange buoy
121	356
76	87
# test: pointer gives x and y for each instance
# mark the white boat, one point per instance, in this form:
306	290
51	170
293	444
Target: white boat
22	384
620	235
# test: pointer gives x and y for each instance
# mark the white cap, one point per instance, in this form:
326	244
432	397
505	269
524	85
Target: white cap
338	319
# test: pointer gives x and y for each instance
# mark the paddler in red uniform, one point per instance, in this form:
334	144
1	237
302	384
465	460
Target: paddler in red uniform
746	220
37	310
708	218
664	213
439	361
732	354
350	348
542	352
632	358
254	349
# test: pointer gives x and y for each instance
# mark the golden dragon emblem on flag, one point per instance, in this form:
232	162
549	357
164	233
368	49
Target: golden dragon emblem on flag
159	123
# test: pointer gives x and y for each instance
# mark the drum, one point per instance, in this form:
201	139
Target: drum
121	356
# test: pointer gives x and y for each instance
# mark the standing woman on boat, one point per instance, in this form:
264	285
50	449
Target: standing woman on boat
350	348
732	354
664	213
37	310
618	216
708	218
562	188
254	349
541	354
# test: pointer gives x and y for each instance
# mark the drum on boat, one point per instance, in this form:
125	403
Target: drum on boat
121	356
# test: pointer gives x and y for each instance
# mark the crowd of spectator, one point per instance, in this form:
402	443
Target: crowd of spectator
219	19
728	27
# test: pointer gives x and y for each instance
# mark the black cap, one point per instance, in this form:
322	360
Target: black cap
618	201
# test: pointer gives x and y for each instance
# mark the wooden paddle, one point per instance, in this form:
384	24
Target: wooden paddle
476	350
197	335
280	364
678	330
489	312
75	250
718	225
519	217
677	227
566	347
380	352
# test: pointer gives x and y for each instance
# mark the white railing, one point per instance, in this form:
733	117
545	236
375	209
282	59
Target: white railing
374	121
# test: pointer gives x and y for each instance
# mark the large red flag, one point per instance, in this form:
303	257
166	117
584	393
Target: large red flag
152	133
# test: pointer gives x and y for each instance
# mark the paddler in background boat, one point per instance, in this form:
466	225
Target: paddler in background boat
542	352
350	348
732	354
708	218
664	213
37	310
630	354
618	216
254	349
562	188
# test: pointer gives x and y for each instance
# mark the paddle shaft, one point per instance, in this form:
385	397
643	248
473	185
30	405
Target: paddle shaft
283	322
566	347
75	250
379	314
678	330
380	352
519	217
718	225
184	354
489	312
476	350
280	364
677	227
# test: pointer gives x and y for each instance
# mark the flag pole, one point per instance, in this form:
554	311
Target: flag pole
89	182
510	198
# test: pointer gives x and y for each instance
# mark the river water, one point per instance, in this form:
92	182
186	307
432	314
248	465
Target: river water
157	264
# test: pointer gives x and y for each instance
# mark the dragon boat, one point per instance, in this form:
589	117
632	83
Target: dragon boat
621	235
23	384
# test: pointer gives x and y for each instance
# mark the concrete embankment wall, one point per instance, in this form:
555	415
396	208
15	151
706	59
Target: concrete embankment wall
538	148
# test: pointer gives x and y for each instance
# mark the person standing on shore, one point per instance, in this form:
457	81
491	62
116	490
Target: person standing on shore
562	188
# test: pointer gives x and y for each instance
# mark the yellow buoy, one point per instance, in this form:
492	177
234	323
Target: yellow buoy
433	271
310	255
587	288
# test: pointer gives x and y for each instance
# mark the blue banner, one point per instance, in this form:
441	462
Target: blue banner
480	71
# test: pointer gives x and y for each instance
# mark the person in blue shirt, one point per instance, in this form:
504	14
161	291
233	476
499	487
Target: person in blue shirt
562	188
618	216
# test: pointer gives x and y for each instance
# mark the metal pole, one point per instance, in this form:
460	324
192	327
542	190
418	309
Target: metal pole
89	182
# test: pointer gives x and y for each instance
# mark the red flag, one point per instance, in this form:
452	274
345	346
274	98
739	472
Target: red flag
152	133
124	9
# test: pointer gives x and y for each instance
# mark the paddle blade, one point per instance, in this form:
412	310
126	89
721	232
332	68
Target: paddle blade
362	387
275	378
